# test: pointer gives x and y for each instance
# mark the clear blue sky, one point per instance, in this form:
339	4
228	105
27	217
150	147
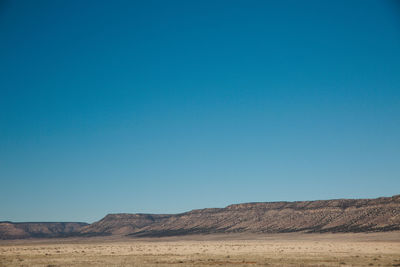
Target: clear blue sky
168	106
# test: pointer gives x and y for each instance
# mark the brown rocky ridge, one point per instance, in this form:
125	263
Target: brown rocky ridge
339	215
10	230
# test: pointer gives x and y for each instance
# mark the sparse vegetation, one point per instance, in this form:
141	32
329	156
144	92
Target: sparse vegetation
374	249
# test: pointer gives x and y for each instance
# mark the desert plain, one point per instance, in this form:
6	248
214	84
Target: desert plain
291	249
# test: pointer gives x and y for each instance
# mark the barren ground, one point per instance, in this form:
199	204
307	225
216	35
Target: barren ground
373	249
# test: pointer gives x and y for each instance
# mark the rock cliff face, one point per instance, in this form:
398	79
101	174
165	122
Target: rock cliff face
10	230
342	215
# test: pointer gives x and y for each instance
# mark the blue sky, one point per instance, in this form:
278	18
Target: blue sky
168	106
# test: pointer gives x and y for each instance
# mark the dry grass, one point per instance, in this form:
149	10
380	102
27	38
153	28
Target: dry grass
378	249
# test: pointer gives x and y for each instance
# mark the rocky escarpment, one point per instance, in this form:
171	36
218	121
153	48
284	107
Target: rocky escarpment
341	215
10	230
121	224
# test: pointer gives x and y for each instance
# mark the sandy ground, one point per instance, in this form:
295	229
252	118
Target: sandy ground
374	249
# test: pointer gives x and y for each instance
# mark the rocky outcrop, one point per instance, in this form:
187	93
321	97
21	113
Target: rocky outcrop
121	224
341	215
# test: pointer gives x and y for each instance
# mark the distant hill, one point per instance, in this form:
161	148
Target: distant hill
340	215
10	230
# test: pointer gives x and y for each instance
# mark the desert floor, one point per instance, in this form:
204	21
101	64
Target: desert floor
373	249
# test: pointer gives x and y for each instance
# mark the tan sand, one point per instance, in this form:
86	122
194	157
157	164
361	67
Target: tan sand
374	249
